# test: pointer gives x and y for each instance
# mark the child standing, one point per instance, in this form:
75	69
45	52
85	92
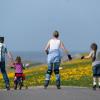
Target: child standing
19	76
95	55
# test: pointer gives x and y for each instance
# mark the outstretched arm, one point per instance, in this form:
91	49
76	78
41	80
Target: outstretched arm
12	62
10	56
65	50
62	46
87	57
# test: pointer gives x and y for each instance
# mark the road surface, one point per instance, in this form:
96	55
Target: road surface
38	93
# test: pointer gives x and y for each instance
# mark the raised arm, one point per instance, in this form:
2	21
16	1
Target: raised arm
87	57
10	56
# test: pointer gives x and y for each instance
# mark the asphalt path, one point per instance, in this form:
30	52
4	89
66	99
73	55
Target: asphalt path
38	93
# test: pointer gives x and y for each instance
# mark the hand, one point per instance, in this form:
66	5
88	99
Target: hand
47	52
82	57
69	57
12	67
66	52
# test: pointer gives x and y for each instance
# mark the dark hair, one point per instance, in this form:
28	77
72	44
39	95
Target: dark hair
94	46
18	59
1	39
56	34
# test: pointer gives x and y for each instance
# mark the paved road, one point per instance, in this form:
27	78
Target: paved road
66	93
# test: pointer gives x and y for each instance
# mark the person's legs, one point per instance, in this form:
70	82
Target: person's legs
94	83
98	74
99	81
94	77
5	77
56	71
48	75
15	82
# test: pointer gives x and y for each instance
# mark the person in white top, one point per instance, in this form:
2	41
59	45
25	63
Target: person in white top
3	52
54	58
95	55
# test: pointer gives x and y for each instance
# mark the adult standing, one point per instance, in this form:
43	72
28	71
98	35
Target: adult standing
3	52
54	58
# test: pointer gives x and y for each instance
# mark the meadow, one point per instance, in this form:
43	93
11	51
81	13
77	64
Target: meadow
73	73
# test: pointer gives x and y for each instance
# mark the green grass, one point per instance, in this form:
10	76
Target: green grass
36	75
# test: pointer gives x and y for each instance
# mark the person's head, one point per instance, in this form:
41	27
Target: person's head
94	46
18	59
56	34
1	39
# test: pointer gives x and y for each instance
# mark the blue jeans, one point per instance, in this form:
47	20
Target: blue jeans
53	60
96	70
3	71
53	67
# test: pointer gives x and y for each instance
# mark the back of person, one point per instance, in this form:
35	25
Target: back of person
54	44
98	56
19	76
95	55
18	68
97	59
54	58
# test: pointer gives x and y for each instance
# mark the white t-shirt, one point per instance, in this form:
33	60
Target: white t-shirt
54	44
97	60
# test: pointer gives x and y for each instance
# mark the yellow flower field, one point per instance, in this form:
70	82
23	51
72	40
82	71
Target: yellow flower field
78	72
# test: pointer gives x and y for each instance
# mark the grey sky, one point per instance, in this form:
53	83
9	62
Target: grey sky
28	24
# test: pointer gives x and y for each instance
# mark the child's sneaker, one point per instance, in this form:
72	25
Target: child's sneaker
94	87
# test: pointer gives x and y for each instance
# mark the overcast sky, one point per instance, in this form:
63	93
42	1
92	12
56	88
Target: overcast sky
28	24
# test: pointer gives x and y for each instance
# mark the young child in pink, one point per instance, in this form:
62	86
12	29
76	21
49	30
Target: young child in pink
18	66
